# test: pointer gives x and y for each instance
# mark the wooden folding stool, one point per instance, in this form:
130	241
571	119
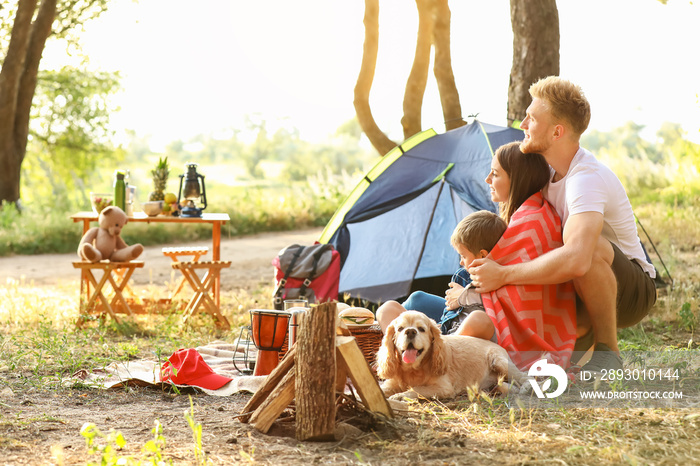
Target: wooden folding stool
202	288
117	274
196	252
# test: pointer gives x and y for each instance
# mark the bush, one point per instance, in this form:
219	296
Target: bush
46	230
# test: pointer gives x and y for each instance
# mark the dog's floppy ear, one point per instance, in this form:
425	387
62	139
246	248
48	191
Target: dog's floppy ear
387	356
438	357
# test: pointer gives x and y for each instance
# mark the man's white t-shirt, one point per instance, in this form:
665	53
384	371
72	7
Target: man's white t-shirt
590	186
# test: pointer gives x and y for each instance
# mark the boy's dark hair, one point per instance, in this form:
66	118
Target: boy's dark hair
478	230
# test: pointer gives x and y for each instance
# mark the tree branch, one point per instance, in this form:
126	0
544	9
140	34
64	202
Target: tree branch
364	81
449	96
41	29
418	78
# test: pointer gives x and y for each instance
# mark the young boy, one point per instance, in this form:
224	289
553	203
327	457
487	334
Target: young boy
473	238
460	311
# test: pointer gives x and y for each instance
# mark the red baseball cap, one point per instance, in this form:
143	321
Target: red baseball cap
187	367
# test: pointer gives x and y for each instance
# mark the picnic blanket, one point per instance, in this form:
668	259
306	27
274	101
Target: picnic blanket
532	321
218	355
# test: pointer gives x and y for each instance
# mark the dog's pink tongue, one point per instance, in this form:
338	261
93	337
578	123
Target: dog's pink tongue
409	356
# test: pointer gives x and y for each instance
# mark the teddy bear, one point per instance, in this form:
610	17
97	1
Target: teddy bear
104	242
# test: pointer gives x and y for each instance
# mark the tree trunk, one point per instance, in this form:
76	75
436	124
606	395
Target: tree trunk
41	29
417	80
17	84
9	84
535	26
433	30
315	371
449	96
364	81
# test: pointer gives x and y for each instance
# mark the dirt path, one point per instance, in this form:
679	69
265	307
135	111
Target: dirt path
251	258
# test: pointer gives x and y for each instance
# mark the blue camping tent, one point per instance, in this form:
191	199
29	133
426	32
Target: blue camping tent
393	231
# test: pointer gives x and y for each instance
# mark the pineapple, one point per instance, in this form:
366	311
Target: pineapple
160	179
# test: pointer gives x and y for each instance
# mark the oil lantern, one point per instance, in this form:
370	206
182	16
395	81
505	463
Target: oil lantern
193	192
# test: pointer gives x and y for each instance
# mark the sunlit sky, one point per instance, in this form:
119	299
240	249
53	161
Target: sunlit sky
200	67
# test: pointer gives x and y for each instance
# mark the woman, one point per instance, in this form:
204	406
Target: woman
516	181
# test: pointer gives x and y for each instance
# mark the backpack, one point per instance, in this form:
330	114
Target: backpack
312	272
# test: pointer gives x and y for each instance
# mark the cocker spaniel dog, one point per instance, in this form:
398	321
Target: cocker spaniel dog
415	359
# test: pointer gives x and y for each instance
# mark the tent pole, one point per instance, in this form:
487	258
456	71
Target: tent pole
655	250
430	222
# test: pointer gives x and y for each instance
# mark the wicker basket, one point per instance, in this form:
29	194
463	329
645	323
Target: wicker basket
369	339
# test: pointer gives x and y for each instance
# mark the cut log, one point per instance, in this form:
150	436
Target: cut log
272	407
315	369
362	378
341	373
269	385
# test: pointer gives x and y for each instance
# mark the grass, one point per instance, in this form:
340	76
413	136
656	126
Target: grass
44	342
40	348
108	446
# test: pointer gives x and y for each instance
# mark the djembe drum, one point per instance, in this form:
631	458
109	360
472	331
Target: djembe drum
269	328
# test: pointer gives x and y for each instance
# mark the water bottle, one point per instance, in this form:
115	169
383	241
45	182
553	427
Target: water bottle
120	190
130	199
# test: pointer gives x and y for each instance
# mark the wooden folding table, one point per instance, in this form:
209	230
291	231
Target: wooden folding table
215	219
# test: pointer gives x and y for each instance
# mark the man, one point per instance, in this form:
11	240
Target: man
602	253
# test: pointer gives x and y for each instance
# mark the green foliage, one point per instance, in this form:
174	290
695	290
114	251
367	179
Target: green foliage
263	154
69	133
38	230
683	157
276	202
196	427
666	171
9	215
64	134
108	445
687	317
673	227
261	149
340	155
108	453
154	448
70	16
625	141
258	209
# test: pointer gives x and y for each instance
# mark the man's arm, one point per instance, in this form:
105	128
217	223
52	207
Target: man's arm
560	265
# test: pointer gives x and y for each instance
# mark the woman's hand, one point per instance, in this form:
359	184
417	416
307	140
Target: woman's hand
452	295
487	275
